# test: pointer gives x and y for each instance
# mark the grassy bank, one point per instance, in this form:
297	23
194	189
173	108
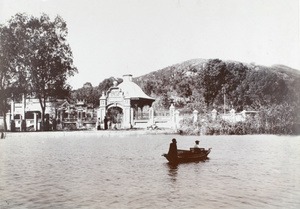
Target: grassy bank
252	125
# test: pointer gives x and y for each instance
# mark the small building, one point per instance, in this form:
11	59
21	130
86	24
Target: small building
29	110
123	104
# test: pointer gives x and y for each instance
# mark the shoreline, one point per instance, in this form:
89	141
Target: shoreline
108	133
90	132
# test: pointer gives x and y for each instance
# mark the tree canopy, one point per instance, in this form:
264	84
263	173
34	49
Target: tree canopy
38	56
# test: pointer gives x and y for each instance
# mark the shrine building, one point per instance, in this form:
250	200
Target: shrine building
124	104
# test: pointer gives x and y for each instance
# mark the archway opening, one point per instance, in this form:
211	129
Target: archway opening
115	117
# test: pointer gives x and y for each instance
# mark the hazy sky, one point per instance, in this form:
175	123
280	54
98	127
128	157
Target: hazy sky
116	37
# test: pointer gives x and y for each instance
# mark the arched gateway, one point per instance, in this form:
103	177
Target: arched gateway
128	97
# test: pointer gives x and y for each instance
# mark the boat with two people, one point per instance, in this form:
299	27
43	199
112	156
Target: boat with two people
194	154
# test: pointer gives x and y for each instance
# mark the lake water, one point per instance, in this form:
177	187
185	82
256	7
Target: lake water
88	170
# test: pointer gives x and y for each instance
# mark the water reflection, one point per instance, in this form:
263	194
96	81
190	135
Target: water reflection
173	171
174	168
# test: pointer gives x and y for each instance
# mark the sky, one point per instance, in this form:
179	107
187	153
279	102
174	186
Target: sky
117	37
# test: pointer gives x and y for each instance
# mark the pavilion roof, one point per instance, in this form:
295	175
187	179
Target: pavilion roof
132	90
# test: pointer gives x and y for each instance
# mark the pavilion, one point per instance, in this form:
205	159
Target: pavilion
127	97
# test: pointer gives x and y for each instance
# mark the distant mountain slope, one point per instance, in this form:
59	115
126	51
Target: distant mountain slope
201	82
187	67
286	70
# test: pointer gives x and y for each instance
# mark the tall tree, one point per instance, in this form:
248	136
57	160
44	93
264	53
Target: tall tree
13	77
5	73
88	93
44	54
107	83
212	79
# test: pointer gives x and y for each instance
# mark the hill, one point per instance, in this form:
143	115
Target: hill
201	84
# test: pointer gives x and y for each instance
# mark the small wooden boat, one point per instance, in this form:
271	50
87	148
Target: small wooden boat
192	155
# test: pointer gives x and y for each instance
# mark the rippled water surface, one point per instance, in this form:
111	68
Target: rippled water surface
87	170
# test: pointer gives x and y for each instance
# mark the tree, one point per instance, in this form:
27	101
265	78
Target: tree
183	89
212	79
264	87
237	73
5	73
44	58
148	87
107	83
88	93
87	85
13	78
165	101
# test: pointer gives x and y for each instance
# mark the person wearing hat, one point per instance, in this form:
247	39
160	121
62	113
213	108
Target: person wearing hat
173	150
196	144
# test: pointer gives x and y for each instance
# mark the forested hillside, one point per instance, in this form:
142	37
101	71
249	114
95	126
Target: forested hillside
203	84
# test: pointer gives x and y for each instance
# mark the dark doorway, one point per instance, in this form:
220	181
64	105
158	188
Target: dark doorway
115	117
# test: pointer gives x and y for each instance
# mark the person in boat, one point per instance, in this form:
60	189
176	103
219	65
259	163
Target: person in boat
172	154
197	144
